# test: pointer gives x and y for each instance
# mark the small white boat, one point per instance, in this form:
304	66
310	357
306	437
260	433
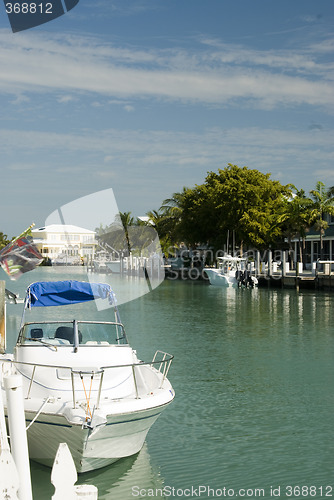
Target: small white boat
231	271
100	263
83	384
114	266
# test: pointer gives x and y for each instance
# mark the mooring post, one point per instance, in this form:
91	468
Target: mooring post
284	259
64	475
9	479
270	267
18	435
257	263
297	276
270	263
2	317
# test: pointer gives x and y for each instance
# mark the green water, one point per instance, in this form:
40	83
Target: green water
254	380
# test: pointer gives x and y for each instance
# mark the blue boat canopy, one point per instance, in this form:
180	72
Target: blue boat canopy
60	293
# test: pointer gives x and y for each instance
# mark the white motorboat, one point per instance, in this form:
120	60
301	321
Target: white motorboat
114	266
231	271
100	263
83	384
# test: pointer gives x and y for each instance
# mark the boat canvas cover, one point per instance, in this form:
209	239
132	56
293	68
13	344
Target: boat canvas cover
59	293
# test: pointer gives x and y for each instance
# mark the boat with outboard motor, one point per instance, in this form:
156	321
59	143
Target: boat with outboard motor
231	271
83	384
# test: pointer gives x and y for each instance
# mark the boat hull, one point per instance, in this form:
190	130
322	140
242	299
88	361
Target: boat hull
218	279
121	436
114	266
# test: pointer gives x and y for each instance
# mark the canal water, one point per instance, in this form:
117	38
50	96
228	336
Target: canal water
254	380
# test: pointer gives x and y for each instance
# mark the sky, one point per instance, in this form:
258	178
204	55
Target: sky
145	97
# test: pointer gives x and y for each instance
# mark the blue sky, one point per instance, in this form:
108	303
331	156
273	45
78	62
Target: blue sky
147	96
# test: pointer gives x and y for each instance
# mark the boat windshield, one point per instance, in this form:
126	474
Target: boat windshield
62	333
231	264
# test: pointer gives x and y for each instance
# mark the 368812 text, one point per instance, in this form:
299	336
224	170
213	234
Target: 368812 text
29	8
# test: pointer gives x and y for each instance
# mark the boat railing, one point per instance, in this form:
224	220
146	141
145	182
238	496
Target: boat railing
161	362
164	363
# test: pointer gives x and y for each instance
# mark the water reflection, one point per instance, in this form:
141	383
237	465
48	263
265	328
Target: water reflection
115	482
122	479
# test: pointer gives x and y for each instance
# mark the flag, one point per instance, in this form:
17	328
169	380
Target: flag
20	255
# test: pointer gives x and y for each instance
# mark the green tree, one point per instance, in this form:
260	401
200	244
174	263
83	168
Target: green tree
164	227
296	218
171	212
322	203
240	200
127	220
3	240
129	234
116	235
172	207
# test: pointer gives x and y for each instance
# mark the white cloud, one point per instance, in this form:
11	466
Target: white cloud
219	75
65	99
146	166
269	150
20	99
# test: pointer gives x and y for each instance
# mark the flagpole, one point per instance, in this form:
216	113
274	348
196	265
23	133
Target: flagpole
20	255
22	235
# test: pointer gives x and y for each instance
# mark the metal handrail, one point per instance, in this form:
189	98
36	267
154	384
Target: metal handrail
164	366
141	363
71	321
165	363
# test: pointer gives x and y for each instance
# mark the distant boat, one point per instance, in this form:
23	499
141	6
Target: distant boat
100	262
114	266
83	384
231	271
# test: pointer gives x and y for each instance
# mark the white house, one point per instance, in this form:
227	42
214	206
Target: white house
60	242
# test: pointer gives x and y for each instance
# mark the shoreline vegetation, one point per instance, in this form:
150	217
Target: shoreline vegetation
235	203
237	206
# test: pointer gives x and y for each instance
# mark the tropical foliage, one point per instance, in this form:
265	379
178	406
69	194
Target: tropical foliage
322	203
237	200
3	240
296	218
127	235
258	211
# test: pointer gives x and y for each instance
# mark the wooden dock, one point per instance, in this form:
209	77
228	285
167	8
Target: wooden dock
302	281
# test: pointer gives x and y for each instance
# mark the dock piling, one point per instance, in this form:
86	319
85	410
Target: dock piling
2	317
18	435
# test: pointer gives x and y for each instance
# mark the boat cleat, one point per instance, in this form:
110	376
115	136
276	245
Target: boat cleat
95	423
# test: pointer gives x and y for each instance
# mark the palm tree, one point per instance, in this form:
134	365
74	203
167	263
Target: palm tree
172	207
164	226
155	218
127	220
322	203
297	218
172	211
